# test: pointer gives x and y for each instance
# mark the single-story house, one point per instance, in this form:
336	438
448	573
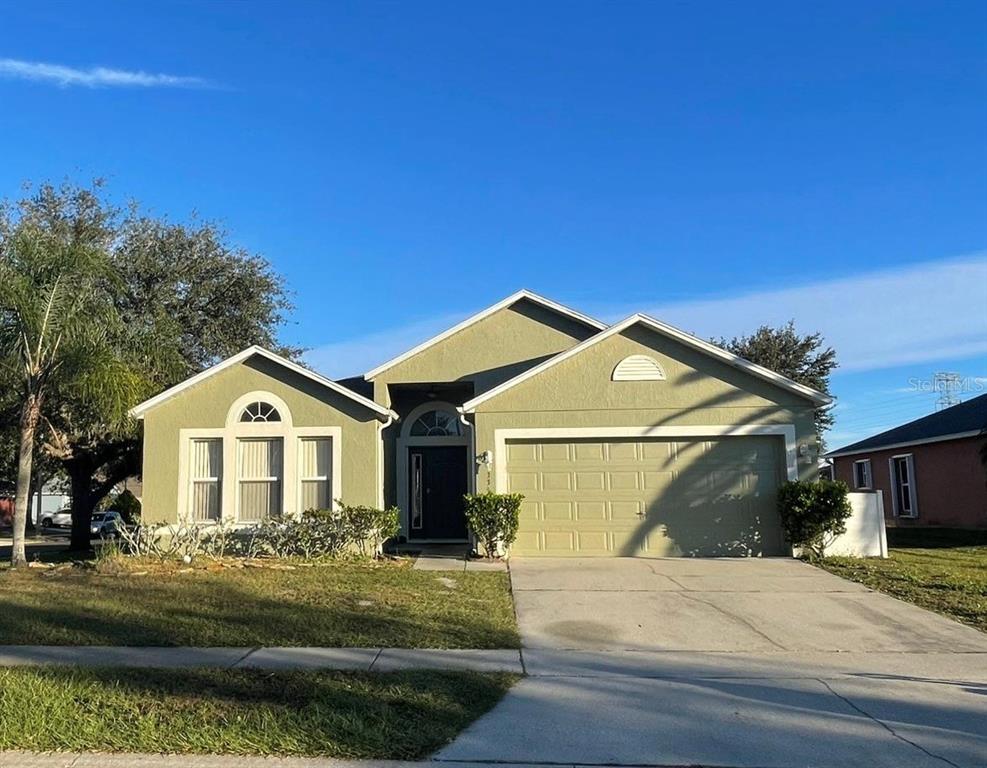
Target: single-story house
930	471
630	439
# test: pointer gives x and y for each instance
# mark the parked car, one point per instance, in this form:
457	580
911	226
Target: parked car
60	519
106	525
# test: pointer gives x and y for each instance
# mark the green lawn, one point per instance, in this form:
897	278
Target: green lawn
940	576
401	715
352	604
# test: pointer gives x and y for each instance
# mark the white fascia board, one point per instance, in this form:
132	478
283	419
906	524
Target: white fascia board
667	330
138	411
512	299
908	444
736	361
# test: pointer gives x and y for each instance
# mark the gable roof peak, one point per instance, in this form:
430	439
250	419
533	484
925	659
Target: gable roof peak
670	331
138	411
509	301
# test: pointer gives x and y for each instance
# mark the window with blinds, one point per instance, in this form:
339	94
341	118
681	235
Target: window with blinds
260	466
315	472
207	479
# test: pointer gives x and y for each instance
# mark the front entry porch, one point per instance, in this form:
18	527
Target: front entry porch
433	473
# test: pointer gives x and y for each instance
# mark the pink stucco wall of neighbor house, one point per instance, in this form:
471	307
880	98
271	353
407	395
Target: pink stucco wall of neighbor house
950	482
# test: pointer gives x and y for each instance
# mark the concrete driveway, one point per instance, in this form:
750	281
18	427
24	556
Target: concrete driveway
767	663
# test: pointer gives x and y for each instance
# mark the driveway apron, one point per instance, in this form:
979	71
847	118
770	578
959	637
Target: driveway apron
761	663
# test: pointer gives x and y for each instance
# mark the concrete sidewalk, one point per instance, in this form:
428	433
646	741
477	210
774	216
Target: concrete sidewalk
369	659
739	663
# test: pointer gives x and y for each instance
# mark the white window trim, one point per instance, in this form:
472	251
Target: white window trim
869	485
912	486
335	437
233	430
502	436
192	481
240	480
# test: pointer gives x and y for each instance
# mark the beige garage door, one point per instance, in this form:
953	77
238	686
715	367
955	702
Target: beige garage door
641	497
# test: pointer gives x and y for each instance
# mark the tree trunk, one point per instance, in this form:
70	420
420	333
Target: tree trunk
30	413
83	503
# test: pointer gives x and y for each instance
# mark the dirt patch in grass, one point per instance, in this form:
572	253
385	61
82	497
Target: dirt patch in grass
401	715
341	604
951	581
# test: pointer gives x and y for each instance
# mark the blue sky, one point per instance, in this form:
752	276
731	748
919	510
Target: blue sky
405	164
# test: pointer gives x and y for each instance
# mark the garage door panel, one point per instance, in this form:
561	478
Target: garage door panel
520	453
653	498
591	481
627	511
555	452
557	510
623	481
556	481
563	541
591	511
529	511
656	451
592	452
623	451
522	482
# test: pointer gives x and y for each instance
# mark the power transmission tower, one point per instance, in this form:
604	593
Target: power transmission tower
948	385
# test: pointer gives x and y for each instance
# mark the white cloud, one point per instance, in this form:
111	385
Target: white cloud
911	314
353	357
879	319
94	77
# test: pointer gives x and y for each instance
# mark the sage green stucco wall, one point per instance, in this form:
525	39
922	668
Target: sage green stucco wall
490	351
206	405
481	356
698	390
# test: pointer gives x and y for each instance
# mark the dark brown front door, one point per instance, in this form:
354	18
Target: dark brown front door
437	484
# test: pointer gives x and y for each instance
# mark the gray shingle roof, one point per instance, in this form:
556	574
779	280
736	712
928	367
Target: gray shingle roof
967	417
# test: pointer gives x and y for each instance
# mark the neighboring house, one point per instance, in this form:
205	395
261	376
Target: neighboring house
632	439
930	470
51	499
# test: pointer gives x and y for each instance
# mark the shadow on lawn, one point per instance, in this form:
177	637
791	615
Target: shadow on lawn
229	610
341	714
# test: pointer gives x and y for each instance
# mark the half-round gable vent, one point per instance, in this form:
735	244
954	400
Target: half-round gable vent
638	368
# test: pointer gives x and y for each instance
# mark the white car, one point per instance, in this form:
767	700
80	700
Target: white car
60	519
106	524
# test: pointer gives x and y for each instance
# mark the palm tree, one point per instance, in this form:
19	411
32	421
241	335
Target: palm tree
57	318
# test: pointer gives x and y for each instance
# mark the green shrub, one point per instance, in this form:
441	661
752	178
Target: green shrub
318	533
493	518
127	505
368	527
813	514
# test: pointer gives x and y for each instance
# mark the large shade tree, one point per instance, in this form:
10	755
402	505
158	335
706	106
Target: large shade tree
107	307
186	299
57	319
804	358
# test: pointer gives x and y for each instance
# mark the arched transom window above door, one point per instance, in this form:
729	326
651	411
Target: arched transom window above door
437	423
259	411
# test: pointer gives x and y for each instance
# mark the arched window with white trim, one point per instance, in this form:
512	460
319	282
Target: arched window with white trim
259	424
437	423
259	412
